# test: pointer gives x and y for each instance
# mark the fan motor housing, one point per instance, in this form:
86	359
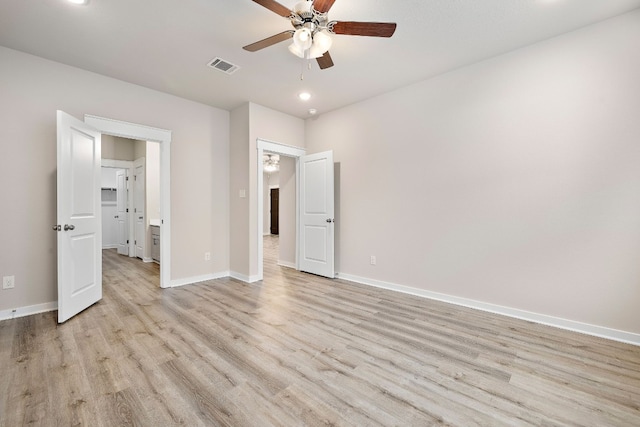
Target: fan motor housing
313	20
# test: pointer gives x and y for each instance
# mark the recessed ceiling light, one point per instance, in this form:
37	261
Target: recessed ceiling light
313	111
82	2
304	96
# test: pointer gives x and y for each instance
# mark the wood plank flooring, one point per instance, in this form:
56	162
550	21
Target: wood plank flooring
298	350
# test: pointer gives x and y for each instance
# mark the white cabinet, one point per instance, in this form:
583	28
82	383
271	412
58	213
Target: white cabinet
155	243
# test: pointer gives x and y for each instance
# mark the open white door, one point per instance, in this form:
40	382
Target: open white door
79	217
316	214
122	212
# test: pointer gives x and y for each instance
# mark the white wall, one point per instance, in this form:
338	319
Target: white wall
514	181
139	149
287	212
32	90
116	148
239	181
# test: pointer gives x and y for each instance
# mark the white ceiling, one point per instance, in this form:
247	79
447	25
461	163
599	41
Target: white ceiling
166	44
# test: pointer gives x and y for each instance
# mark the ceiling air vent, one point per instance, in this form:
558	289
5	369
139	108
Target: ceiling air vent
222	65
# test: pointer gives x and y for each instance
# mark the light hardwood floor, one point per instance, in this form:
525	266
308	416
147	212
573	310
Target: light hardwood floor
297	350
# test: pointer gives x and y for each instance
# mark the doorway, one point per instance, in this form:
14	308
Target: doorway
130	196
163	137
314	205
291	154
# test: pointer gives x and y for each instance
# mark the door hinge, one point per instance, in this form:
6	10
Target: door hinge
135	242
127	210
135	210
127	241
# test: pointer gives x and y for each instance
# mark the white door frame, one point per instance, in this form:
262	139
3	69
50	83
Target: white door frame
146	133
284	150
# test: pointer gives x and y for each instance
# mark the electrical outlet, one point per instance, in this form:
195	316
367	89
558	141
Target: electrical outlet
373	260
8	282
207	256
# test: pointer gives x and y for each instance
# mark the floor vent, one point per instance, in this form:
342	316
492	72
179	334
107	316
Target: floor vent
222	65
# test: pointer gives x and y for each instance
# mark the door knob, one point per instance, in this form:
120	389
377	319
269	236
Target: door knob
68	227
329	220
116	216
56	227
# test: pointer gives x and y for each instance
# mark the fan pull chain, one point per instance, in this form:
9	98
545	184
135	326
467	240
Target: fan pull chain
308	65
302	69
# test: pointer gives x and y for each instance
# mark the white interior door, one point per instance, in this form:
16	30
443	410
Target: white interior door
122	216
317	214
79	216
138	207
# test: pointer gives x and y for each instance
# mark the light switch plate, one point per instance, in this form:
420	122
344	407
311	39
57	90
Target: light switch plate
8	282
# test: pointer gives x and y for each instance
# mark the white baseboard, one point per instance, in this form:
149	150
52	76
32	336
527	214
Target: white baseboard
198	279
51	306
287	264
145	259
571	325
244	278
28	310
109	246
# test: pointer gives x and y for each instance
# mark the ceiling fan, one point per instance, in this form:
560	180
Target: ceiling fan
271	163
311	37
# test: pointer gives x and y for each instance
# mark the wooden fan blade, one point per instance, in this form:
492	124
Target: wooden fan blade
325	61
371	29
274	6
323	6
285	35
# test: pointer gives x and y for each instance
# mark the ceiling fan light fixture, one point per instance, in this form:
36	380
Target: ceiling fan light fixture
271	163
302	38
293	48
302	7
269	168
313	30
321	44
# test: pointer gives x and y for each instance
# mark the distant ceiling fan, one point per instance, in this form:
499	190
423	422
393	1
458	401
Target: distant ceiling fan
311	37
